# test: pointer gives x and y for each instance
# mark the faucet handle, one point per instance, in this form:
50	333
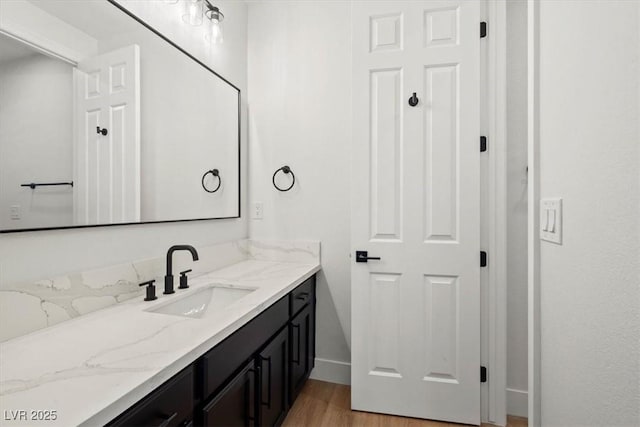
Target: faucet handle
183	279
151	290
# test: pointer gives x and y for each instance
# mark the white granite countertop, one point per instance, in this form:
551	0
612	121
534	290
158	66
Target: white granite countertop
92	368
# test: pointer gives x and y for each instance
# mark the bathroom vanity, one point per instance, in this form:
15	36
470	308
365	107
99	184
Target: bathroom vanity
235	348
251	378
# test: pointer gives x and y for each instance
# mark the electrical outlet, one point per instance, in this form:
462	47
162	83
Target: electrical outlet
257	211
14	212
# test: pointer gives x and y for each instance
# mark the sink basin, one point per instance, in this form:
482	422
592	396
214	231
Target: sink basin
199	302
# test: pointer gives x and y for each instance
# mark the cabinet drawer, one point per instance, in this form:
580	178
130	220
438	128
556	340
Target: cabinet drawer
223	360
302	295
169	405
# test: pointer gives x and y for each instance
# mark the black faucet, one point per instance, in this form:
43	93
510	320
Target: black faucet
168	279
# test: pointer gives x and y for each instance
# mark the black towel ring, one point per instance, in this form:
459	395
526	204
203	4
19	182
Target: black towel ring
287	170
215	173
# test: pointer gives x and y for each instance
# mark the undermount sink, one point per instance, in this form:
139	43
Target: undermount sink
199	302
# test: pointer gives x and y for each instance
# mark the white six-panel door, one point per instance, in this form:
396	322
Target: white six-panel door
416	205
107	167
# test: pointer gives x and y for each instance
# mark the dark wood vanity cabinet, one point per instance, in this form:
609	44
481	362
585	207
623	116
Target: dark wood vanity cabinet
249	379
235	405
274	374
170	405
302	337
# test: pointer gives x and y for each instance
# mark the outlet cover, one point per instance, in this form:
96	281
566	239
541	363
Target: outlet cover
257	210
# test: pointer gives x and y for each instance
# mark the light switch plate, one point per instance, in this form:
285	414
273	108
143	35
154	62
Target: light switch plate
551	220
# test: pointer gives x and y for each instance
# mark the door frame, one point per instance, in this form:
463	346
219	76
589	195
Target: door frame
493	284
533	194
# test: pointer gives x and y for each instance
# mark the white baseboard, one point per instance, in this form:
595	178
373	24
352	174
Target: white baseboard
517	402
332	371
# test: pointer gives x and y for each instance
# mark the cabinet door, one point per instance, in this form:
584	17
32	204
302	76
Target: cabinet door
234	406
274	373
302	331
219	364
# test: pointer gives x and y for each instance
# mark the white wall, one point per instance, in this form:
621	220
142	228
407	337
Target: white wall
589	156
36	140
300	115
34	255
517	207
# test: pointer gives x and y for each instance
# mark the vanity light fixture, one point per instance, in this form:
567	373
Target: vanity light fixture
213	14
194	13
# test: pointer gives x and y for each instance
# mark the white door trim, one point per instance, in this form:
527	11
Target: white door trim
534	334
494	285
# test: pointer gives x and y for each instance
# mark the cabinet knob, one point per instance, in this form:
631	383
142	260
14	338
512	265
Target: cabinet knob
302	296
268	360
296	328
167	419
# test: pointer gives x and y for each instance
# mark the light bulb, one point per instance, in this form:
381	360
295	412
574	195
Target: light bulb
193	15
215	35
213	14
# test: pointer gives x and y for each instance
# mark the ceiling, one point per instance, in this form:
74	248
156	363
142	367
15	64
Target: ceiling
99	19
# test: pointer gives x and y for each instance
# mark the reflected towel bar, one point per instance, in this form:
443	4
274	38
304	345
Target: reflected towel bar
33	185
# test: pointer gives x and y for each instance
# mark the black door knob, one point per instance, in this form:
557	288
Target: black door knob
363	256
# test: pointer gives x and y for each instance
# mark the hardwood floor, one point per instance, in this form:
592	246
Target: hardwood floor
323	404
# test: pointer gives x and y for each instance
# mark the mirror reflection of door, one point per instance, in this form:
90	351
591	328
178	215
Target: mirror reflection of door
107	139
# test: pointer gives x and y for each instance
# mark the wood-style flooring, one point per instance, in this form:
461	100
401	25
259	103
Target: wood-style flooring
322	404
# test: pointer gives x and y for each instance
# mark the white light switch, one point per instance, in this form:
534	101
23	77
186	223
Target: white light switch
257	211
551	220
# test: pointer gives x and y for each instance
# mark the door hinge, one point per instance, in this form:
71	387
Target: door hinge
483	374
483	29
483	259
483	144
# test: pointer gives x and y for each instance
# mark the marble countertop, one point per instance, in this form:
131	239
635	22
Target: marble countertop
92	368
